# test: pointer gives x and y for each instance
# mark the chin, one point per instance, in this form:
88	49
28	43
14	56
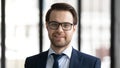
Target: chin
60	45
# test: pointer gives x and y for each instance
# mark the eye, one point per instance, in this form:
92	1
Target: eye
53	24
66	25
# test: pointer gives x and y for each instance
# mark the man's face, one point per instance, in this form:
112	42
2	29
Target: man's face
60	37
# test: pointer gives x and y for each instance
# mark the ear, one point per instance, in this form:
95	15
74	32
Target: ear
74	27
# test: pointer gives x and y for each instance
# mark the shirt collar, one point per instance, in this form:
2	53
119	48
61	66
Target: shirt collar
67	52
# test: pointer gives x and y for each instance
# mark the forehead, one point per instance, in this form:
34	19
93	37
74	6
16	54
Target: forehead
61	16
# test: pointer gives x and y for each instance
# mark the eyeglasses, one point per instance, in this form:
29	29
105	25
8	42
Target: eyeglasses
55	25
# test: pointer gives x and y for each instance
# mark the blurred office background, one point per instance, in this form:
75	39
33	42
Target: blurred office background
23	32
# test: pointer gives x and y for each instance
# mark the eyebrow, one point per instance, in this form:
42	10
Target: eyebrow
61	22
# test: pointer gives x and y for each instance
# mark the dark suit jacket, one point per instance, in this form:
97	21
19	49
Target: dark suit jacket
78	60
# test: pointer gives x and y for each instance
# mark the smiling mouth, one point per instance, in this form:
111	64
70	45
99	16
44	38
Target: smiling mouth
59	36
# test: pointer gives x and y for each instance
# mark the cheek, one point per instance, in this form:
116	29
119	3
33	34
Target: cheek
50	32
69	35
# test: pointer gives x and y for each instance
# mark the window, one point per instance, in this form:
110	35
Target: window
22	37
95	29
22	29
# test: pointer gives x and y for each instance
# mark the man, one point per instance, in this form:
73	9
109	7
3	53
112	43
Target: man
61	21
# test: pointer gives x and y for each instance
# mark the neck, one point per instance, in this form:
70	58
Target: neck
59	50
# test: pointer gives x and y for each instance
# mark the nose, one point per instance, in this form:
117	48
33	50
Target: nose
60	28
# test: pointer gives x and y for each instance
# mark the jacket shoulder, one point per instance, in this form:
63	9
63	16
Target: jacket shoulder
36	61
85	56
40	55
83	60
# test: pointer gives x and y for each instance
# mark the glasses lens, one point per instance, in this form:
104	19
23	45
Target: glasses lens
53	25
66	26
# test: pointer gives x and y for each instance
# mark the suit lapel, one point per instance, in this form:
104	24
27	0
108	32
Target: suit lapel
75	60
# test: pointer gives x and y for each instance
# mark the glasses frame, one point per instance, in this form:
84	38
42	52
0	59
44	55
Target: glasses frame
57	25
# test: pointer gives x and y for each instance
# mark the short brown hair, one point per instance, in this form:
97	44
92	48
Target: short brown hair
62	6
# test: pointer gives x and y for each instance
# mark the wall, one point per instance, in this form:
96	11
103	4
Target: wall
117	33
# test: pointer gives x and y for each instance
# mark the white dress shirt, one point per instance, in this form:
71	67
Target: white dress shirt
63	61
